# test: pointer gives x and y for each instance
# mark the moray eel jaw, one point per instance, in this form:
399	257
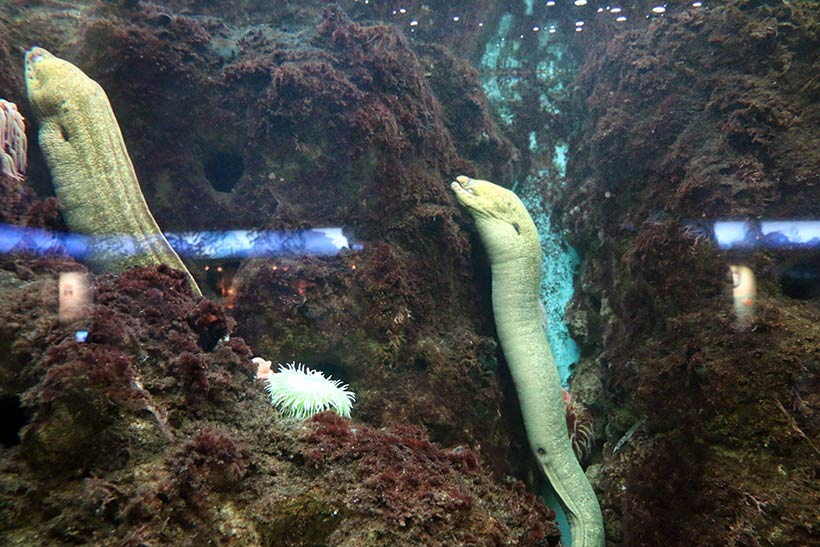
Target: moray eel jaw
44	72
500	218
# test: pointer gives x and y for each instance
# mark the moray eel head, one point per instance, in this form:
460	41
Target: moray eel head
49	82
506	227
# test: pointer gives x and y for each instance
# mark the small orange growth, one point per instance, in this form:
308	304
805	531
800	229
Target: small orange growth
263	370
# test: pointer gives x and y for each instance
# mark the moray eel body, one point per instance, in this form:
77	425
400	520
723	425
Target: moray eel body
89	164
513	247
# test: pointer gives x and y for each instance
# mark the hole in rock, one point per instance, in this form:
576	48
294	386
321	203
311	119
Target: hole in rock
223	170
13	420
801	281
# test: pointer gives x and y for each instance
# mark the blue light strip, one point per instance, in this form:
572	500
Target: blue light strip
767	234
216	245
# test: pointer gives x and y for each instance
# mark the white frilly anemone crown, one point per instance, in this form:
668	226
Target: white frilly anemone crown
300	392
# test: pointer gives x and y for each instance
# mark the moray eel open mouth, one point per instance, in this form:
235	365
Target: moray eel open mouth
464	183
493	203
465	190
468	192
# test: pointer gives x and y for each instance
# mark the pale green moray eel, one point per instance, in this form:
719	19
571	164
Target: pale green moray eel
514	250
89	164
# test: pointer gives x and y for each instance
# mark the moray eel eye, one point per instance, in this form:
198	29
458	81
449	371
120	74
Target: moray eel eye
33	55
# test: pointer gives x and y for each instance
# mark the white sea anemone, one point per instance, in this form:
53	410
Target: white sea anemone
301	392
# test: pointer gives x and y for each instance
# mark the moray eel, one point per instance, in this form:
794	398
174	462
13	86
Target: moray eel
514	249
92	173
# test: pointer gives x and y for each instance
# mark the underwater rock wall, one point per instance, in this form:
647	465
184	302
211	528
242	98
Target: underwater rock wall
319	121
711	434
151	429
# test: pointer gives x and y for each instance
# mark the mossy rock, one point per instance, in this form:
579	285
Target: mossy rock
302	521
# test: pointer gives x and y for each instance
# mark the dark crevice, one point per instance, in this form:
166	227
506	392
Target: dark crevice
14	418
801	281
223	170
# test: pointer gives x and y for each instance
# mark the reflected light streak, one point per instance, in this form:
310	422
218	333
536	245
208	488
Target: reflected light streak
230	244
768	234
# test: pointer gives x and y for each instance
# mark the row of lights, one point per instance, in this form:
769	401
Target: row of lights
579	25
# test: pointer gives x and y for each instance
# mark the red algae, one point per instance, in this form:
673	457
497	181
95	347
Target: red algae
416	488
152	439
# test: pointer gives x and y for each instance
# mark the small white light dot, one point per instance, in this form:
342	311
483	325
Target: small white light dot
456	18
550	3
552	30
579	29
621	19
697	4
579	23
615	10
481	24
394	12
607	194
600	10
402	10
658	9
580	2
414	23
536	29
